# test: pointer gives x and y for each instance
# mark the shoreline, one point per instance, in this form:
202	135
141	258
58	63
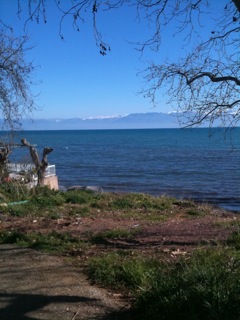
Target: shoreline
228	204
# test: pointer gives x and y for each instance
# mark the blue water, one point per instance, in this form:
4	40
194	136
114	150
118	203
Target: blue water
195	164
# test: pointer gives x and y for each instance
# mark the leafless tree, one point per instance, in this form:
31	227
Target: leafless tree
204	84
39	165
16	99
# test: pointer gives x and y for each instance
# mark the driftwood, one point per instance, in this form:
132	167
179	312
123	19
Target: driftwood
40	165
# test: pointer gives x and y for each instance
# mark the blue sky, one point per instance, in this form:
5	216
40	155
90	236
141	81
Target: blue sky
75	80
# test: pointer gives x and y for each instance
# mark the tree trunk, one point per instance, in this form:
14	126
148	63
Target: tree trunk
40	165
4	153
237	4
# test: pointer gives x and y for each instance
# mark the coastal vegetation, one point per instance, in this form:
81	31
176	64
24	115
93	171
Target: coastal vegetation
167	258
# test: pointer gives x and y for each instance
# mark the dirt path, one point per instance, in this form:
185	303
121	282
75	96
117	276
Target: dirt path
34	285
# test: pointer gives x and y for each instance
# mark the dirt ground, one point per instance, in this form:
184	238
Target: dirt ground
35	285
40	286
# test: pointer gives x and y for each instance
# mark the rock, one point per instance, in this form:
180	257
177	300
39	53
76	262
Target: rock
95	189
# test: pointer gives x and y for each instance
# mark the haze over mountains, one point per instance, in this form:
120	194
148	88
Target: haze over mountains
131	121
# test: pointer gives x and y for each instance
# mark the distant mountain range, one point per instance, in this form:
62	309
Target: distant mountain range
131	121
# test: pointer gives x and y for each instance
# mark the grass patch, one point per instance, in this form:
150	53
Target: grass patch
42	201
234	240
195	212
203	286
51	200
10	192
140	201
77	197
114	234
120	271
206	286
184	203
52	242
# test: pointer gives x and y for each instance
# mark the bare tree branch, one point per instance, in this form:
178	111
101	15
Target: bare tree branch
16	99
213	78
205	81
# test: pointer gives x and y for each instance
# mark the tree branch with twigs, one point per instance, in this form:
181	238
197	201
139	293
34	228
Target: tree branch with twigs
206	80
16	98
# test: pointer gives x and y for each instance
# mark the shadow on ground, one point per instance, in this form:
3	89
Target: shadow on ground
19	305
40	286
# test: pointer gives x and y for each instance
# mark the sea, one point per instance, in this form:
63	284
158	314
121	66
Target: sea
200	164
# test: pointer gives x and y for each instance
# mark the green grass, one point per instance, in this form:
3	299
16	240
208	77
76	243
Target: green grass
120	271
207	286
51	242
11	192
140	201
195	212
42	201
234	240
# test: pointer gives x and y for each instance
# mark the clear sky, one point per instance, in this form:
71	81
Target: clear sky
76	81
